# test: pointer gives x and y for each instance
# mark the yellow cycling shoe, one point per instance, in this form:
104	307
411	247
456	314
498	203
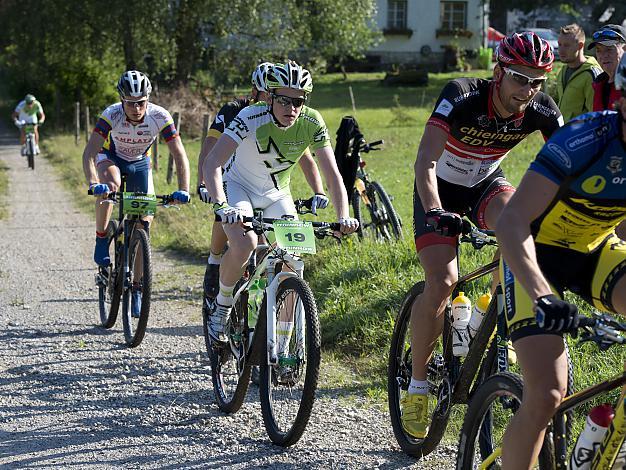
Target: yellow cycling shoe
415	414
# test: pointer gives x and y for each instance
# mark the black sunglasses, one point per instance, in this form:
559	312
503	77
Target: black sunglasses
289	101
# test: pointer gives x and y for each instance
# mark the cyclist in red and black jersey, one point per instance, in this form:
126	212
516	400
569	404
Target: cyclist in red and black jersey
226	114
457	172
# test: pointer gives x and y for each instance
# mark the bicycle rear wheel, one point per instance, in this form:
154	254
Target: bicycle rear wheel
287	390
139	288
109	283
375	213
389	217
399	376
495	402
230	371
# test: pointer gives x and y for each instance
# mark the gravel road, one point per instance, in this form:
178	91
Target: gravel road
72	396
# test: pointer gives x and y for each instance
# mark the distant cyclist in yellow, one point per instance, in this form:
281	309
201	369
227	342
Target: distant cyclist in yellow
558	233
29	111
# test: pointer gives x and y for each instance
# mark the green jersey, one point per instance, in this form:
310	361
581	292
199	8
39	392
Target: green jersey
267	153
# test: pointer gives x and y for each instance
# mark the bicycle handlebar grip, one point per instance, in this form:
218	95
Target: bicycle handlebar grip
586	321
377	142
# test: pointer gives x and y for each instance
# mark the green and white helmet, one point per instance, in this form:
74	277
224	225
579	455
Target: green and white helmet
259	76
289	75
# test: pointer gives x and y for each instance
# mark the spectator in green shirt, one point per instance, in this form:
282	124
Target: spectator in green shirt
574	93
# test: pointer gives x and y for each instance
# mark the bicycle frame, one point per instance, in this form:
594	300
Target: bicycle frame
614	437
268	265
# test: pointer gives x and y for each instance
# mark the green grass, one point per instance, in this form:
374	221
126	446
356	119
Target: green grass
358	286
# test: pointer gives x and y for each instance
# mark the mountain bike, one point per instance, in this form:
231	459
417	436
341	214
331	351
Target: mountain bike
30	148
450	377
129	277
370	202
272	293
452	380
500	396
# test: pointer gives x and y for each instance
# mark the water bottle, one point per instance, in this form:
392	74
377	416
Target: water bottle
478	313
255	297
590	439
461	313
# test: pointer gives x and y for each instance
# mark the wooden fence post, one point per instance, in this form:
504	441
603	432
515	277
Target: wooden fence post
87	125
77	122
170	161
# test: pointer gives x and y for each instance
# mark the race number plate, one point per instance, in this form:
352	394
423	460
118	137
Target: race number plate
139	204
295	236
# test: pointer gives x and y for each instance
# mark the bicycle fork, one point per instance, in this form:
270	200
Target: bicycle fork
272	289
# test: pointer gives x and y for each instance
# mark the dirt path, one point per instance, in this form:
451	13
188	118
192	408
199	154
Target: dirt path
71	395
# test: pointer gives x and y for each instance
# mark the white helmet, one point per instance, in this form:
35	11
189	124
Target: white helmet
259	76
134	83
289	75
620	74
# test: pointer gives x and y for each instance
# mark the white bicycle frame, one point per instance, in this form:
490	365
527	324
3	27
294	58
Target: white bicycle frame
268	264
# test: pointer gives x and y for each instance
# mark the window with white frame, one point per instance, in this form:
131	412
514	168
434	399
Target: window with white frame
453	15
396	14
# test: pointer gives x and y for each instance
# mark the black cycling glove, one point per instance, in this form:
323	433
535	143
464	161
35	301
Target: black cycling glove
448	224
556	315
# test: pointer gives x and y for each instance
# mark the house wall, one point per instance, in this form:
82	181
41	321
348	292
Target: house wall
423	18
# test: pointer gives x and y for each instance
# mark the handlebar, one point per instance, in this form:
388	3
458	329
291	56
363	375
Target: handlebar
114	196
602	329
20	124
478	237
365	147
303	206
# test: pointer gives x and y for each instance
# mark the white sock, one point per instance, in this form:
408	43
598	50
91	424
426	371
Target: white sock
214	259
418	386
225	297
283	334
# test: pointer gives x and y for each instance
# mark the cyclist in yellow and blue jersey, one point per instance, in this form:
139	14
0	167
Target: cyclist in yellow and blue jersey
558	233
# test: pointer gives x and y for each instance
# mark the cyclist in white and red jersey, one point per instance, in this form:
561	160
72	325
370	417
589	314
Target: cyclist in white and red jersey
119	145
457	172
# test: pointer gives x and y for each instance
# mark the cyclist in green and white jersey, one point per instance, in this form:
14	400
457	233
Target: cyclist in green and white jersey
266	140
224	117
29	111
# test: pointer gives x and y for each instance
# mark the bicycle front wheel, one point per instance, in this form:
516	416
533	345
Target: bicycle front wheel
30	150
136	297
230	371
399	377
488	414
287	389
109	283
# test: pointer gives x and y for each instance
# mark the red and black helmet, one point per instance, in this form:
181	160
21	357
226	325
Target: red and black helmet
525	49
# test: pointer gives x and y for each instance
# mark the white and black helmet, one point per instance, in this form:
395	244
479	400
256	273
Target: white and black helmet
620	75
290	75
259	76
134	83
